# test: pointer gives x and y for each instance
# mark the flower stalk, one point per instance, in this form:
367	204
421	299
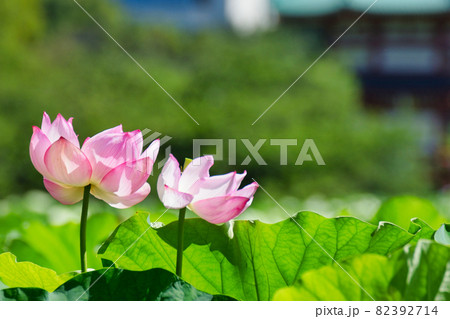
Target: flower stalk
83	223
181	218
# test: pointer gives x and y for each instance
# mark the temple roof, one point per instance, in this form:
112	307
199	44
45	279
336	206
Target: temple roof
386	7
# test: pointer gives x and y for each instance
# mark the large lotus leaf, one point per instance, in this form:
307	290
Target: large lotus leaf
249	260
27	274
416	273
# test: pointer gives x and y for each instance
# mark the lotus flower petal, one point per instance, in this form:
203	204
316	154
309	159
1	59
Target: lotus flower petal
152	150
38	146
109	149
66	195
59	128
127	178
197	169
248	191
219	210
219	185
46	123
168	182
238	178
66	164
121	202
170	174
174	199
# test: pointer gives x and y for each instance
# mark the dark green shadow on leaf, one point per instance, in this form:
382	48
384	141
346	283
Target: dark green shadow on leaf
117	285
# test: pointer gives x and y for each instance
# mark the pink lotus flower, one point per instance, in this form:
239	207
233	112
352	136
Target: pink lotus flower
111	162
214	198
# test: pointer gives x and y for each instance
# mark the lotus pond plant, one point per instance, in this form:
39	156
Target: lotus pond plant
112	166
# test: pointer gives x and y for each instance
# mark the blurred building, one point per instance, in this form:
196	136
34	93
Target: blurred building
190	14
400	48
245	17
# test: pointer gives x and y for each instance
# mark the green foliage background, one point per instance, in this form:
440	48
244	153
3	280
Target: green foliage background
54	58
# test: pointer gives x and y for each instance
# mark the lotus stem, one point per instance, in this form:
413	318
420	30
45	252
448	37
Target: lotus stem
180	241
83	223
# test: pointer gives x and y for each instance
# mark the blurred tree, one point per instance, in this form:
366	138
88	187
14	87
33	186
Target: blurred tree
67	15
21	22
224	81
